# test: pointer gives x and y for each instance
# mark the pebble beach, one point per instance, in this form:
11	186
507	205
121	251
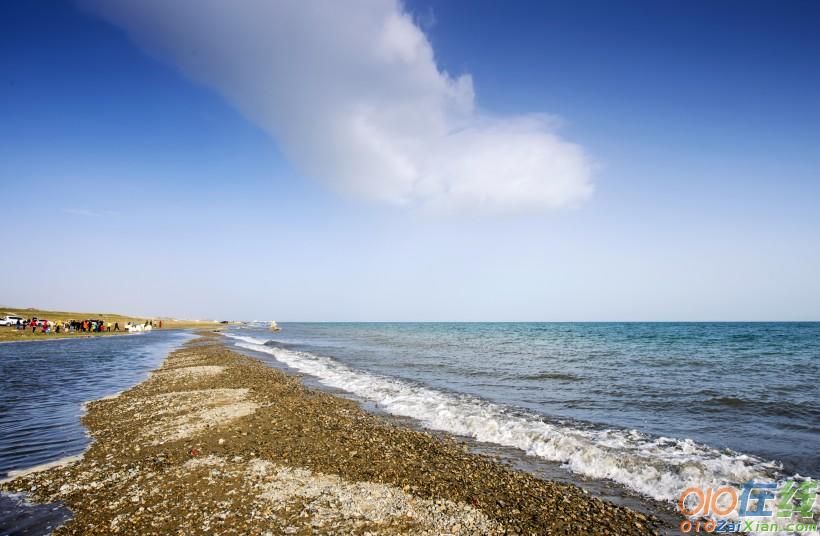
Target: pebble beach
215	442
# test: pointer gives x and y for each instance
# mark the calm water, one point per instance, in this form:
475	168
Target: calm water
44	384
653	406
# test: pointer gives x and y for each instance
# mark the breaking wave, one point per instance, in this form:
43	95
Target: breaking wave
657	467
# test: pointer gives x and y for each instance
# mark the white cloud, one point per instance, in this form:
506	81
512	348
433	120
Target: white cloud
352	94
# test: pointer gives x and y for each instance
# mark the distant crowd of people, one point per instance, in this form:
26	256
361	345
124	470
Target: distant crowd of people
82	326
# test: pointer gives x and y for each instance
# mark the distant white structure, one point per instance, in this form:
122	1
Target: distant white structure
134	327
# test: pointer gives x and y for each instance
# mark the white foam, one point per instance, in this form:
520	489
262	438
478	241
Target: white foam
106	397
656	467
68	460
251	340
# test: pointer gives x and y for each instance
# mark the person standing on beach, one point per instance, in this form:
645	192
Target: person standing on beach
116	326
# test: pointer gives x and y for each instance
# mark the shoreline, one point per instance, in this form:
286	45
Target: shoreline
60	337
40	337
606	490
217	442
11	334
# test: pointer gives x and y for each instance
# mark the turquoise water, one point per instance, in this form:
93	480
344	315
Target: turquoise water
652	406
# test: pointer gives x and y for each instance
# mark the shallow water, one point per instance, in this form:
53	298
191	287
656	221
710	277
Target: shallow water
43	386
655	407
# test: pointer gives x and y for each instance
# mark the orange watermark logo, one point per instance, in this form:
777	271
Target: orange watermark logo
754	507
695	502
707	503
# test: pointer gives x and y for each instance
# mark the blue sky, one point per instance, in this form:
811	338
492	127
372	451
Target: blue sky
135	181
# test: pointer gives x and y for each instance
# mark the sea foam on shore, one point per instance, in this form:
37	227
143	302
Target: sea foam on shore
657	467
216	442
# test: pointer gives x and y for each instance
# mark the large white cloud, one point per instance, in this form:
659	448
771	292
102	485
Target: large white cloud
352	94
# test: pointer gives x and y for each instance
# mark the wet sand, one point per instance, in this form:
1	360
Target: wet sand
215	442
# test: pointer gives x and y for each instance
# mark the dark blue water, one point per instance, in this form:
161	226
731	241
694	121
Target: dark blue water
44	384
653	406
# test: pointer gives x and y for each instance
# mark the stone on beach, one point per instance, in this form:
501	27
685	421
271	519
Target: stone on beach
218	443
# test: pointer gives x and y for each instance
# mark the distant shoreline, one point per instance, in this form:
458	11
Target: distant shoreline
11	334
61	337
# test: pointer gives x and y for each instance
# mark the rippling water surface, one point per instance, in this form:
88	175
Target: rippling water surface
653	406
44	384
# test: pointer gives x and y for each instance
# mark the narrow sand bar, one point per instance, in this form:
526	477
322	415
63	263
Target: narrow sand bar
215	442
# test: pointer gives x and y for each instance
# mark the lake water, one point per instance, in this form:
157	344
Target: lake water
44	384
655	407
42	389
652	407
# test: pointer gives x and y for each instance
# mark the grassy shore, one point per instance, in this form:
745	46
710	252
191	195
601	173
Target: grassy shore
8	334
218	443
